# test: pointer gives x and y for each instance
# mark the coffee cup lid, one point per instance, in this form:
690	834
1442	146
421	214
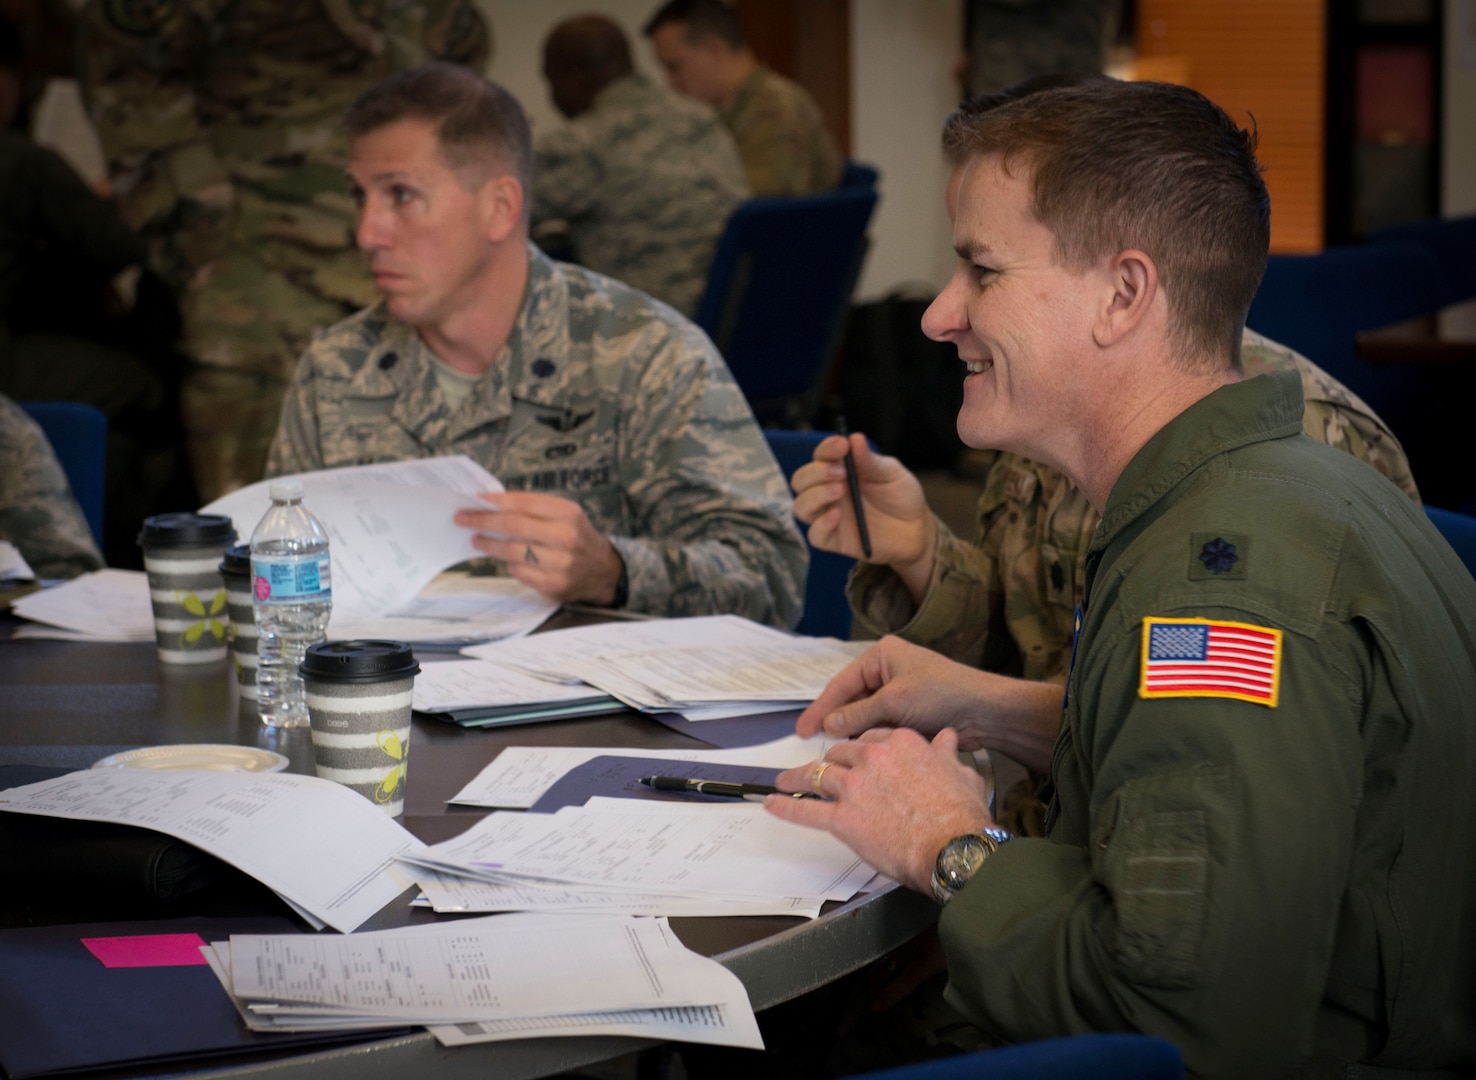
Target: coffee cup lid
187	530
237	560
358	661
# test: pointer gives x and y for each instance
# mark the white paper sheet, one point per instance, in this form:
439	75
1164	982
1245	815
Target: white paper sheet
314	842
13	565
633	845
716	1025
457	608
390	527
459	684
472	970
518	777
105	605
560	654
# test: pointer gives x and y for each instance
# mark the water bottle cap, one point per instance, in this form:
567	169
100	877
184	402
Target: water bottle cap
358	661
285	490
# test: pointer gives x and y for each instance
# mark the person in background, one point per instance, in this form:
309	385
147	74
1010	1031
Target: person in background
1261	840
781	135
219	124
37	511
644	181
636	475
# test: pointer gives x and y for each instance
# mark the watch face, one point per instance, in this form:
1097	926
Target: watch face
959	859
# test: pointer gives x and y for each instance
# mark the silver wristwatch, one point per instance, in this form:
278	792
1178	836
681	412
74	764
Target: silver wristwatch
961	857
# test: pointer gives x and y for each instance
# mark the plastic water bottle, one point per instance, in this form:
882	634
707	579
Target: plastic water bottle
291	589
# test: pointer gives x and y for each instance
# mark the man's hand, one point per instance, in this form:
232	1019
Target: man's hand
548	544
898	684
892	797
903	531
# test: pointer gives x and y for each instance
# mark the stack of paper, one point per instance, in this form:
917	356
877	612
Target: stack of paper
338	873
705	668
480	693
634	857
105	605
480	980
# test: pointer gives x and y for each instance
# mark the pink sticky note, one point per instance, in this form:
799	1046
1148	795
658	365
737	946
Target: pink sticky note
147	950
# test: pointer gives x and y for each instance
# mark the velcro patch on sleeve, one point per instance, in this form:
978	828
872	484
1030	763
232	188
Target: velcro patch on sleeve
1209	658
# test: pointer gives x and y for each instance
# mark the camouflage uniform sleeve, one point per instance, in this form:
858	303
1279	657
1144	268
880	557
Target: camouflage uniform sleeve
712	513
566	175
954	617
37	511
296	447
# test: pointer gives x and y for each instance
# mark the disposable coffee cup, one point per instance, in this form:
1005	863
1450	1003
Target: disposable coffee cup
182	555
235	572
358	699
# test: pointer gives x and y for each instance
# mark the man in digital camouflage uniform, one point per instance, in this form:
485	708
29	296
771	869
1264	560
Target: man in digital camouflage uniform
219	121
1261	836
637	476
38	513
781	134
645	180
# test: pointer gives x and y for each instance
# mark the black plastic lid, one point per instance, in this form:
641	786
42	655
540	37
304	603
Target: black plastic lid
358	661
237	561
187	530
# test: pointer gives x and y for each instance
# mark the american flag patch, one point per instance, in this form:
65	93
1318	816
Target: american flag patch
1203	658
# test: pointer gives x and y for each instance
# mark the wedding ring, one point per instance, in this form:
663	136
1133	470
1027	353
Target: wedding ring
529	557
816	776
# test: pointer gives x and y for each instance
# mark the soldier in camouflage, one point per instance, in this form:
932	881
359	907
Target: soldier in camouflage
781	135
645	180
37	511
636	474
219	122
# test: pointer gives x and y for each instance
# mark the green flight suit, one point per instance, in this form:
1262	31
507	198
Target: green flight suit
1278	890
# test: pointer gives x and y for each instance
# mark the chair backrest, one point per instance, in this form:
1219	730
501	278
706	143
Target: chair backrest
779	287
1318	304
1074	1057
1459	531
827	612
78	434
1453	243
858	174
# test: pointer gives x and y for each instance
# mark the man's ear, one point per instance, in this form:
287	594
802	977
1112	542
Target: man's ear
1132	289
502	207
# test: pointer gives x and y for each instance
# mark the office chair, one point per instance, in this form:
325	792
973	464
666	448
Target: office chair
1318	305
858	174
778	291
1453	243
1075	1057
1459	531
78	434
827	612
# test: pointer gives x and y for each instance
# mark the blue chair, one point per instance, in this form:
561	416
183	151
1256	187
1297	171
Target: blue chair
1459	531
1318	304
857	174
1075	1057
778	292
827	612
78	434
1453	243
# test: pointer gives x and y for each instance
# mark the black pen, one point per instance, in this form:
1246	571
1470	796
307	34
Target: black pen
855	485
751	792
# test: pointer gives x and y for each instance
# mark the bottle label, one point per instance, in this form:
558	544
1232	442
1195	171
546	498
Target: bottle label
291	581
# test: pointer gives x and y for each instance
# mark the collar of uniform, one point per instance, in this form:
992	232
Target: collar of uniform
1250	411
627	88
541	332
745	95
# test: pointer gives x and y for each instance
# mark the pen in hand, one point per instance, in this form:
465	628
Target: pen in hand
751	792
855	486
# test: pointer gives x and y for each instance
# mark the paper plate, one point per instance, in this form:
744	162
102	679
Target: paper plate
216	757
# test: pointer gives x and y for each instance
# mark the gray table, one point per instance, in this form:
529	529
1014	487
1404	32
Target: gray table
66	704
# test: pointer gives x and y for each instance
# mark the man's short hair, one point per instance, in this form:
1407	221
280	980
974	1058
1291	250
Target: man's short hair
1151	166
480	127
701	18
